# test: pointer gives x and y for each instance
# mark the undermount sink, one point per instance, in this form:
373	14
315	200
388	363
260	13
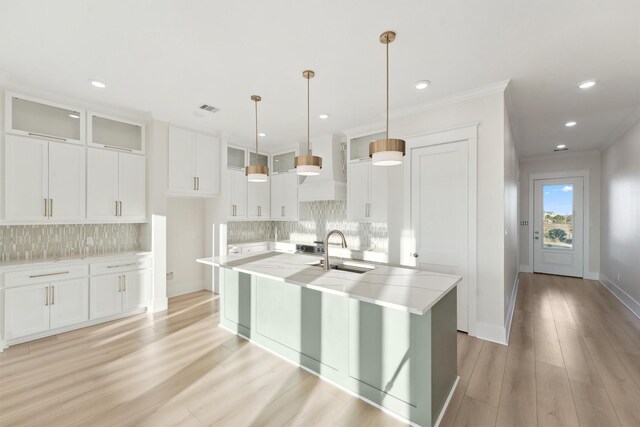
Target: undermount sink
351	267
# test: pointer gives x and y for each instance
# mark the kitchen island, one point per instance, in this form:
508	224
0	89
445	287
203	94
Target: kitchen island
387	334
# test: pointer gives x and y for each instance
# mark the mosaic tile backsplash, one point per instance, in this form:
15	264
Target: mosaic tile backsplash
323	216
24	242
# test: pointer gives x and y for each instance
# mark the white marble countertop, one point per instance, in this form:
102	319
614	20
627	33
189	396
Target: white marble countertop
73	259
412	290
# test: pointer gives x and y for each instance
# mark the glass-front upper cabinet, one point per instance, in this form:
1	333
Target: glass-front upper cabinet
235	158
263	159
359	147
42	119
110	132
284	162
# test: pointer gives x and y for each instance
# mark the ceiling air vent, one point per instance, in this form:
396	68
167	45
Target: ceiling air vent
209	108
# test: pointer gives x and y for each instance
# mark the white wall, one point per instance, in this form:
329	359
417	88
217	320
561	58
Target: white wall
489	112
511	237
185	243
563	161
620	254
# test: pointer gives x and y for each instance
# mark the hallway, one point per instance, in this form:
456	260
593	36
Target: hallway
573	359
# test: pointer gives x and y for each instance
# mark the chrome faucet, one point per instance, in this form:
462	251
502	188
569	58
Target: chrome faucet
327	266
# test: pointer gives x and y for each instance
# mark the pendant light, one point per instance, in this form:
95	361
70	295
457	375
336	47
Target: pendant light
256	173
387	151
308	165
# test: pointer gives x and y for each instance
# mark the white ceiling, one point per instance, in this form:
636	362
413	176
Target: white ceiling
166	57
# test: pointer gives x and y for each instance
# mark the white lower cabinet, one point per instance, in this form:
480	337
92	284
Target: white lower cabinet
116	293
43	300
38	308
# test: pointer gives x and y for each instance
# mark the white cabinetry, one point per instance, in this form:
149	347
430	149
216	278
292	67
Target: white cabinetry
114	133
237	193
116	186
194	163
44	180
284	197
258	200
41	300
38	308
366	192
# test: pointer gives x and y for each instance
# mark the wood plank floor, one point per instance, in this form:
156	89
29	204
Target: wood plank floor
573	359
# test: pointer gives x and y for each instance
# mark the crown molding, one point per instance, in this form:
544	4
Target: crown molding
559	154
189	124
480	92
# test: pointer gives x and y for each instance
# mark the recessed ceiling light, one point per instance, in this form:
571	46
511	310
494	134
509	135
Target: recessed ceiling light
262	134
561	146
587	84
324	116
570	124
422	84
98	84
74	115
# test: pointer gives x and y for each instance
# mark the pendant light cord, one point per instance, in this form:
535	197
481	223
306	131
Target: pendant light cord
387	137
256	103
308	117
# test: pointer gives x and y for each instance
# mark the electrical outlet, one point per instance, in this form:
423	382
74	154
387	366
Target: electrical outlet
170	275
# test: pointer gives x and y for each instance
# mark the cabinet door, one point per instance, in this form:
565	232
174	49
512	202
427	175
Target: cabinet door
378	194
207	165
102	184
69	302
26	180
135	286
358	191
258	197
132	186
182	158
238	195
26	310
290	186
105	296
66	181
277	199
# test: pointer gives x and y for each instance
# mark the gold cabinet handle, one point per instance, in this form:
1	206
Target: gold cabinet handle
124	283
50	208
120	207
33	276
198	183
46	295
42	135
113	147
46	207
116	208
53	295
122	265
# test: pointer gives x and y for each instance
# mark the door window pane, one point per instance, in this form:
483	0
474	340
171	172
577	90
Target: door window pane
558	216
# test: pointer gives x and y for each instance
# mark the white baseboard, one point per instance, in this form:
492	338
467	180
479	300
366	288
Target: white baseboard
446	403
3	345
619	293
512	307
493	333
525	269
592	276
181	288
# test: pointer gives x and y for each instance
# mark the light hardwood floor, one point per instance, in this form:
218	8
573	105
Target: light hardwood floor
573	359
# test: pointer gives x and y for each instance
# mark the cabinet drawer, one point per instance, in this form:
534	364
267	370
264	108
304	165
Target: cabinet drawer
46	275
117	266
255	248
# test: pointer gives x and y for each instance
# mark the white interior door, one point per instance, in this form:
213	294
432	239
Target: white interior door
440	213
558	226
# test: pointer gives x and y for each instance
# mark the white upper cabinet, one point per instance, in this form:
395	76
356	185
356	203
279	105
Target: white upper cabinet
237	194
42	119
116	186
258	193
358	148
194	163
112	133
367	194
284	197
284	162
44	180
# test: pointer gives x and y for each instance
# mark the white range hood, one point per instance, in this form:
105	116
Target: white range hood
331	183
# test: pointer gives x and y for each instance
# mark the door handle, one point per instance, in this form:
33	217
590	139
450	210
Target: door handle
46	295
198	183
33	276
537	238
46	208
50	208
116	208
124	283
415	254
53	295
120	208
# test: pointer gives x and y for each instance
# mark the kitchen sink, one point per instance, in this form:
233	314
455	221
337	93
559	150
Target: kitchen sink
351	267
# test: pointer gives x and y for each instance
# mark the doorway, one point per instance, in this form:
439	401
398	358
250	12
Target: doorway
558	232
440	214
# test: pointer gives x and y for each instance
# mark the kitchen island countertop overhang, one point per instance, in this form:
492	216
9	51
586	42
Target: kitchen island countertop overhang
411	290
